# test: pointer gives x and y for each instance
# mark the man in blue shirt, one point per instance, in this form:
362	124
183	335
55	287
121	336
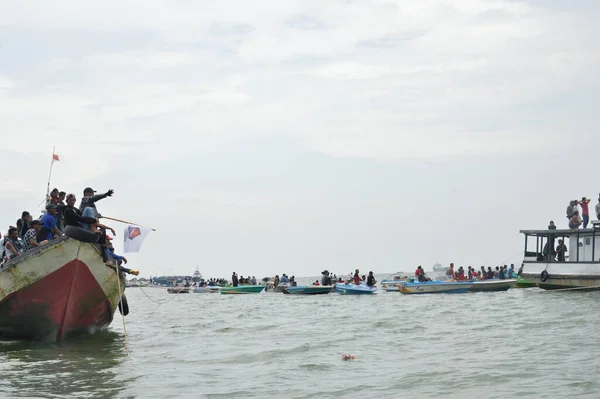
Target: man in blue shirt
49	228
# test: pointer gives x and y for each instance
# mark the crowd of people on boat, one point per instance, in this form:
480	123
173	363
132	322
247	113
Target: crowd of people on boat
60	211
472	274
581	219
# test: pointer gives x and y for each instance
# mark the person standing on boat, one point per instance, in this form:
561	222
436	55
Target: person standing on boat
25	224
598	208
450	273
561	251
571	209
585	212
234	279
89	199
483	273
371	280
418	271
356	279
511	271
325	280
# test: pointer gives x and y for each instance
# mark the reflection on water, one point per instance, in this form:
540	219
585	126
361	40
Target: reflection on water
80	368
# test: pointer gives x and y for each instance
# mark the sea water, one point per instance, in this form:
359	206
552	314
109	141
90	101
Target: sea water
518	343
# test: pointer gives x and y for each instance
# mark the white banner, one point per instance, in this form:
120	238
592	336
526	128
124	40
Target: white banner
134	237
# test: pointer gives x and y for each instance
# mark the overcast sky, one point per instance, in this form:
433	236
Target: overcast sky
269	137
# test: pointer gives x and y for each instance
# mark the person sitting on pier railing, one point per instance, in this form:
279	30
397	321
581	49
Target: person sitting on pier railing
575	221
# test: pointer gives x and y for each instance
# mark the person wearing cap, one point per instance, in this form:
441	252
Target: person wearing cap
89	199
49	229
30	238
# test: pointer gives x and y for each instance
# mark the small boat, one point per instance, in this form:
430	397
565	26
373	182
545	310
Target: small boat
396	280
492	285
179	290
281	287
211	289
525	283
436	287
309	290
352	289
243	289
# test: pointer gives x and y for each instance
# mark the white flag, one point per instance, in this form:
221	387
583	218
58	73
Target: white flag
134	237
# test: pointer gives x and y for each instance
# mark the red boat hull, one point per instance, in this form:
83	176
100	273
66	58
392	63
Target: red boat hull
66	302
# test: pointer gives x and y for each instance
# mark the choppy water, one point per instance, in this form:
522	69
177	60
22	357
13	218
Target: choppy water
485	345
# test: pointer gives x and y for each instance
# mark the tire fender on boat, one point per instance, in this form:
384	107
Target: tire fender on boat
124	306
544	276
80	234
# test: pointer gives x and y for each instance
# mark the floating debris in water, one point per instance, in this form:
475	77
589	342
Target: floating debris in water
347	356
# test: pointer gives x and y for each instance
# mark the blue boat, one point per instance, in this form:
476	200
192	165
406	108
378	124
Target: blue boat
308	290
436	287
351	289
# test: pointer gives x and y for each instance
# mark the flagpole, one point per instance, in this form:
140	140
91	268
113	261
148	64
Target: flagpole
125	222
50	174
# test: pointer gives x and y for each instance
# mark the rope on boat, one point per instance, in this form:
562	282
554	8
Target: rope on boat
122	310
155	301
506	261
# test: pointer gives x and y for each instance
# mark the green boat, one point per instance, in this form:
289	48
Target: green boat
525	283
243	289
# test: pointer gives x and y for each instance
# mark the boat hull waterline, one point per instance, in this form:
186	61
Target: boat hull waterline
309	290
351	289
242	289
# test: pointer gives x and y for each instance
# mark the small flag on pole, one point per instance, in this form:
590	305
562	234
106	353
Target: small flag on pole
134	237
55	158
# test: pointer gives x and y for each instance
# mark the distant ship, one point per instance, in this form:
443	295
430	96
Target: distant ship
439	268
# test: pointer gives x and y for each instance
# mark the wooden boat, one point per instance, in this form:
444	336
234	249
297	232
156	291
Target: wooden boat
436	287
207	289
59	290
525	283
492	285
351	289
309	290
243	289
179	290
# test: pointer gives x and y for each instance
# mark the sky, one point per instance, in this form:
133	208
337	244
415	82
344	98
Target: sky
268	137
